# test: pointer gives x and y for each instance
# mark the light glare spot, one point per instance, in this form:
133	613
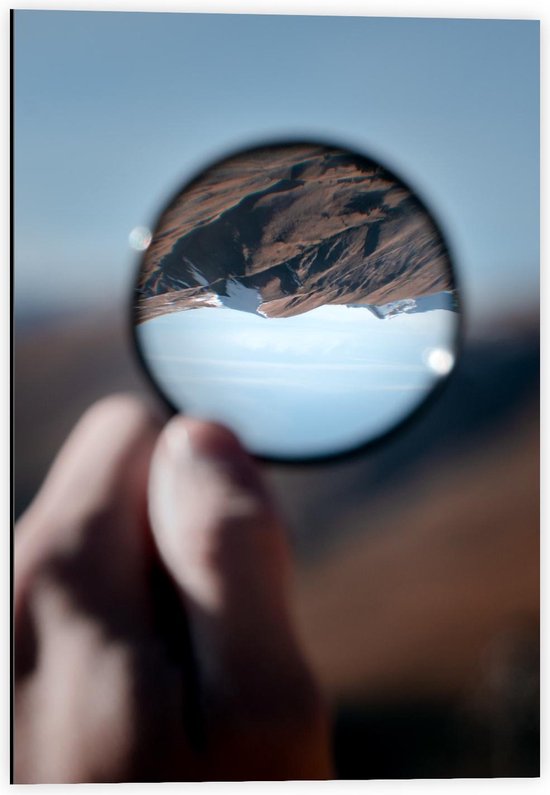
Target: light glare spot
140	238
440	360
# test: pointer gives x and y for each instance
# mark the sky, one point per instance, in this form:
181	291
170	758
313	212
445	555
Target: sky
113	111
308	385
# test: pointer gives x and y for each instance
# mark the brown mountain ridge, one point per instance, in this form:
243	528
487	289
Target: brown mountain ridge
301	225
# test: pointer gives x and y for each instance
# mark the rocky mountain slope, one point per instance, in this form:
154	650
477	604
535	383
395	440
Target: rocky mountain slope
301	225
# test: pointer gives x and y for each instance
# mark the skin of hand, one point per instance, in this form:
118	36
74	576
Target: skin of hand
153	636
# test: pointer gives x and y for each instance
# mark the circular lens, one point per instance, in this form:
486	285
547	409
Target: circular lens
300	294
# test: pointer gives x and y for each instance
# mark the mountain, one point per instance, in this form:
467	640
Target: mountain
445	299
300	226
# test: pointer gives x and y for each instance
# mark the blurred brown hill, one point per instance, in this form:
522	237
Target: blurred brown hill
417	577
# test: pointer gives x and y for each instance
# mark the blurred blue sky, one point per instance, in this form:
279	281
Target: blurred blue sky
114	110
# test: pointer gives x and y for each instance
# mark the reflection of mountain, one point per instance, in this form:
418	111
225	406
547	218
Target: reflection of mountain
249	299
301	225
410	306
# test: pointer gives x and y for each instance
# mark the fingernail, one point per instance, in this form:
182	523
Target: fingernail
196	466
191	441
178	441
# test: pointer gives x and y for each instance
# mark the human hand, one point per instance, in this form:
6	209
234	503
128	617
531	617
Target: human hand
142	546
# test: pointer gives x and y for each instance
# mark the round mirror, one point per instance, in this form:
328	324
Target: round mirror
300	294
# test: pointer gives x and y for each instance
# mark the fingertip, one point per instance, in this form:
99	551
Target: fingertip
103	463
210	511
187	443
190	436
120	410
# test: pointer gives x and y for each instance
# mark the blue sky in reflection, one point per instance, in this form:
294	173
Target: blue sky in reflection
303	386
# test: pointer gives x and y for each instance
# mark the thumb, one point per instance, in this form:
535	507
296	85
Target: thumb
218	535
220	539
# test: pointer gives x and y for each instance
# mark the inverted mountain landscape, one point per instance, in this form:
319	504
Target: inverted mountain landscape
282	230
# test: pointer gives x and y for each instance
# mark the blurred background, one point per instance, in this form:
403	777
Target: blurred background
417	562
